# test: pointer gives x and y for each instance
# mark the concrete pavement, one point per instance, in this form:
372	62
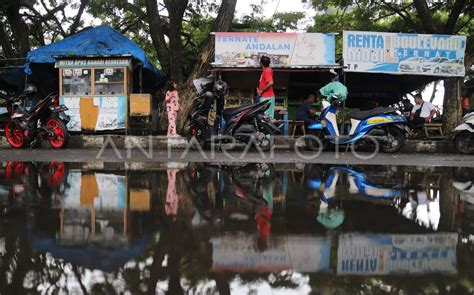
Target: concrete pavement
150	158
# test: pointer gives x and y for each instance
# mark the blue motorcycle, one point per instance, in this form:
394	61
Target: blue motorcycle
383	125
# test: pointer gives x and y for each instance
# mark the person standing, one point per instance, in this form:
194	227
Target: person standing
172	107
265	85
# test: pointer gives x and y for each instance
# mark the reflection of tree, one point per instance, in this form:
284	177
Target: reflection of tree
188	255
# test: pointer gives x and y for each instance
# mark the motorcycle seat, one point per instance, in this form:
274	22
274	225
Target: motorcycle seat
362	115
234	111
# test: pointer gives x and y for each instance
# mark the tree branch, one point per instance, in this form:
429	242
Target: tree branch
454	16
426	17
400	13
156	33
77	19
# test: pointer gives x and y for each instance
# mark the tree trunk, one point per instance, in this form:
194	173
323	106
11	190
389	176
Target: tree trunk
157	36
176	9
18	27
221	24
452	112
6	42
433	94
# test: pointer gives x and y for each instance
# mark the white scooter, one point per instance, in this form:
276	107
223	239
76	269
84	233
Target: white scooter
464	139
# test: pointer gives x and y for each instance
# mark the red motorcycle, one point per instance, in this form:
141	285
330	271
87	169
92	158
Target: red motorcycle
44	121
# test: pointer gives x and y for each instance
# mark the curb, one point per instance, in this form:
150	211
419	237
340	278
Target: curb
281	143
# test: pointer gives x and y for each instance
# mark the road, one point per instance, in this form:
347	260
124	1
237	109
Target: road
163	155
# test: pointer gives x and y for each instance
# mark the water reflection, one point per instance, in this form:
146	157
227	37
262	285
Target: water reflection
246	228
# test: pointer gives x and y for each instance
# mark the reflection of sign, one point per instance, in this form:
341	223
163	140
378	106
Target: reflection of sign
284	49
100	190
79	63
397	53
396	254
238	253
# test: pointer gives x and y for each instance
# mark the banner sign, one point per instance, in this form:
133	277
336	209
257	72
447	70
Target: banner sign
284	49
111	112
398	53
239	253
90	62
387	254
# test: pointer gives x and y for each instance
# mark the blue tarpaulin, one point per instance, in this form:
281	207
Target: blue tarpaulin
98	41
101	41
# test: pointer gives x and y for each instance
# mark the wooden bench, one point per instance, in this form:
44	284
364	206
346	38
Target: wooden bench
433	130
295	125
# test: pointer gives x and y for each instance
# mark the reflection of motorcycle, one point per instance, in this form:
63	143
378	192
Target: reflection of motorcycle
249	184
330	215
466	207
36	181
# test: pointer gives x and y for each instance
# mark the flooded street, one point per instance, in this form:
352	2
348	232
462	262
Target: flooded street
247	229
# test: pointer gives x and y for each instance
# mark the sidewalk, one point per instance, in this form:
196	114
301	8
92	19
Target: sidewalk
281	143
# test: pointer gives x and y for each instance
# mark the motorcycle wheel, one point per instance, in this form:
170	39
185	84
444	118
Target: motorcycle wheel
312	144
395	142
61	135
464	142
15	135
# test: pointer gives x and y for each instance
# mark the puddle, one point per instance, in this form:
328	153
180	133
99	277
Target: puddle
253	228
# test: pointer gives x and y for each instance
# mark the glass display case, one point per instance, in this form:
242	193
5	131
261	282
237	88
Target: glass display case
109	81
76	81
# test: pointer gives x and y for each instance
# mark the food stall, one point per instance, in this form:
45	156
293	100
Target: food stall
104	79
301	64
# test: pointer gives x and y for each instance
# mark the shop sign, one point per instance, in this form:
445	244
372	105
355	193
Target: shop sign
87	63
284	49
399	53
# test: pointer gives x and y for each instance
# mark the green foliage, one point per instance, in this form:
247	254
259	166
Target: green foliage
280	22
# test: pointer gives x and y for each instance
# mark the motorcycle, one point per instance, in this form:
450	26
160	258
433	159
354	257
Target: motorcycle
44	121
464	139
382	124
242	124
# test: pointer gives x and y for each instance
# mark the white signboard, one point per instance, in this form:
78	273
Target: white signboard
239	253
284	49
399	53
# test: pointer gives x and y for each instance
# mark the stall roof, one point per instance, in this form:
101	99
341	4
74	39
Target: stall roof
101	41
315	68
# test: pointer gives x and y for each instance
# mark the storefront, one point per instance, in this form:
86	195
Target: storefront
96	92
104	79
301	64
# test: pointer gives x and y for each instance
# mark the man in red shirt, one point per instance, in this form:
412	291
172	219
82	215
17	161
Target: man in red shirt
265	86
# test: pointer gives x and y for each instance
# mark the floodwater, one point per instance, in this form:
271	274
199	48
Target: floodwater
250	229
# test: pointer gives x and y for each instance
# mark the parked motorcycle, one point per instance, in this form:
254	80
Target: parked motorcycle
242	124
384	125
464	139
44	121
